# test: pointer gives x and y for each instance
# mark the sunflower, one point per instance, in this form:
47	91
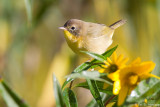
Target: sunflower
127	78
113	65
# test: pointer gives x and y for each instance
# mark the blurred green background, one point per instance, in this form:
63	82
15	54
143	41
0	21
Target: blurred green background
32	47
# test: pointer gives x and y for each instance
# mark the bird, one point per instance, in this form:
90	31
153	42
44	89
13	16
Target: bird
88	36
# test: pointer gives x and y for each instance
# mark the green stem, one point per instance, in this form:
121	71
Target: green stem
107	102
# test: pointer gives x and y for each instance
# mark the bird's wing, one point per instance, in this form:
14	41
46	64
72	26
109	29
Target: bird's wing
97	30
98	44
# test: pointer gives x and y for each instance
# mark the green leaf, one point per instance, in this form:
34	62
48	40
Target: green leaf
87	65
58	93
95	92
155	97
94	75
144	90
10	97
100	84
70	98
83	66
105	98
93	102
109	52
96	56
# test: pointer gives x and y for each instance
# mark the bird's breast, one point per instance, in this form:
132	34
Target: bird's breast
74	42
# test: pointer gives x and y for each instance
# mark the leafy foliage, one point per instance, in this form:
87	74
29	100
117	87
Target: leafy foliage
87	65
69	98
58	93
100	86
94	75
145	90
95	92
10	97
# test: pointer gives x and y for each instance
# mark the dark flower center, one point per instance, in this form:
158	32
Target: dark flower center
132	79
113	68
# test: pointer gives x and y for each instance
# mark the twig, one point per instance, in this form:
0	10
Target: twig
107	102
70	86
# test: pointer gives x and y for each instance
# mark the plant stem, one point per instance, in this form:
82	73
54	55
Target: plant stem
70	86
107	102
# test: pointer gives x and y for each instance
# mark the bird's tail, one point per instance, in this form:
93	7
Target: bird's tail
118	24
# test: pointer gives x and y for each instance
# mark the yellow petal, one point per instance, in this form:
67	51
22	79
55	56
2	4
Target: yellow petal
104	66
106	63
151	75
101	70
119	59
116	87
122	94
143	68
133	79
124	61
144	76
114	56
109	60
114	76
137	61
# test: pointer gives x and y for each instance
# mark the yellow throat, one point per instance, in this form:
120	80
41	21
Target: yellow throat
74	42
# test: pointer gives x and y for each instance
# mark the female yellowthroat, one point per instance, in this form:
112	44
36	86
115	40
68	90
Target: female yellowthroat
87	36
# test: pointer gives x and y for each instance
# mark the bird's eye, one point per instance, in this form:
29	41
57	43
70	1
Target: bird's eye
73	28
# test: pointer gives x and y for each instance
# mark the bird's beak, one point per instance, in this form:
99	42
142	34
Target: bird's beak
63	28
